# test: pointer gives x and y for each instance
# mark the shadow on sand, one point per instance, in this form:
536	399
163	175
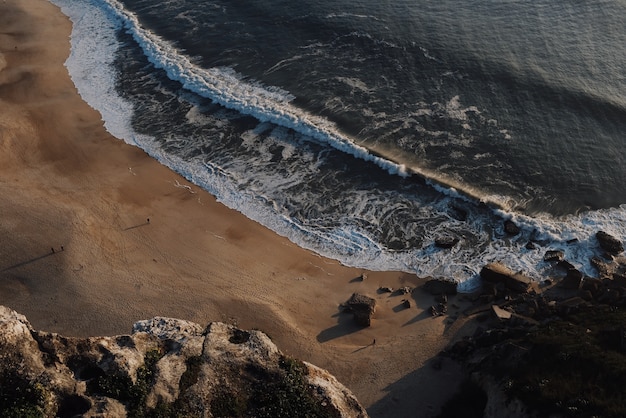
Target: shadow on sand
345	326
136	226
425	390
24	263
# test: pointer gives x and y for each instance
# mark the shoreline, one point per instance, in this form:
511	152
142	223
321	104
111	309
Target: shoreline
70	186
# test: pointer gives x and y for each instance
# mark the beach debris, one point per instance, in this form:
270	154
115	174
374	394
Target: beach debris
609	243
385	289
499	273
511	228
446	241
501	314
362	307
439	286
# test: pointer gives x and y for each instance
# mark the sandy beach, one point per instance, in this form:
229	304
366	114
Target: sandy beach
96	235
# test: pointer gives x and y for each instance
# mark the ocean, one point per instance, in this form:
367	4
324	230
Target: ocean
365	130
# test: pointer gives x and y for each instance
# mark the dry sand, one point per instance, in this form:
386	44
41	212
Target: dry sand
65	182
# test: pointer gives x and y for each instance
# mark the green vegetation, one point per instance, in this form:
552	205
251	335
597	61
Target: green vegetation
120	386
286	393
20	396
262	393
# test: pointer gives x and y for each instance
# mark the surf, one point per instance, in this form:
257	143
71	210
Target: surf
358	239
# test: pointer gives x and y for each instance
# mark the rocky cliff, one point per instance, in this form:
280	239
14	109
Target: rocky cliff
166	367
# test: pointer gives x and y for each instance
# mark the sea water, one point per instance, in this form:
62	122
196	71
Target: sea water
365	130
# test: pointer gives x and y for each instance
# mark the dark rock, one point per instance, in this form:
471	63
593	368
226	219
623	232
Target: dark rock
573	280
406	303
609	296
619	279
404	290
440	286
586	295
603	268
565	265
438	310
529	308
510	228
553	255
446	242
499	273
531	245
362	307
609	243
385	289
592	285
458	213
572	304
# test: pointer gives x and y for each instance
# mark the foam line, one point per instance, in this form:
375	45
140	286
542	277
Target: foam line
226	88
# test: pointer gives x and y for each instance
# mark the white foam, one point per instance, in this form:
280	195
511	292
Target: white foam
224	86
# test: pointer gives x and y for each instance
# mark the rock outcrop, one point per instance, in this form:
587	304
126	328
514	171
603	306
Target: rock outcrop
609	243
362	307
166	367
499	273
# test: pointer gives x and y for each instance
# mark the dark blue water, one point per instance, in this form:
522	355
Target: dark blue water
364	130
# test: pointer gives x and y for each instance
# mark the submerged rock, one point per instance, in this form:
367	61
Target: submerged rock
446	242
511	228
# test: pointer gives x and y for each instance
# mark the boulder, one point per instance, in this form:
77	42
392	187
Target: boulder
606	270
362	307
440	286
404	290
446	242
499	273
511	228
573	280
531	245
609	243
